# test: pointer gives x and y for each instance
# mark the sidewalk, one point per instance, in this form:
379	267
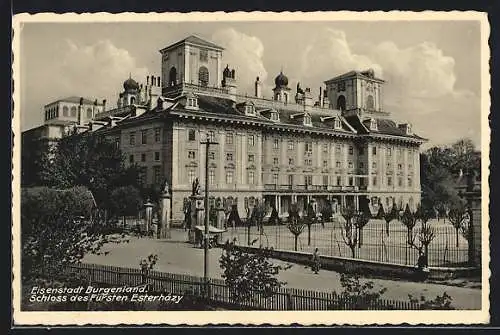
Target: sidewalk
177	256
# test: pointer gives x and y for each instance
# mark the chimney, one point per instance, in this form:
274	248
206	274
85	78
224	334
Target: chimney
159	81
104	105
258	88
308	100
80	108
147	80
321	98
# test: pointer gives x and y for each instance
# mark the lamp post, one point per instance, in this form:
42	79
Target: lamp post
207	143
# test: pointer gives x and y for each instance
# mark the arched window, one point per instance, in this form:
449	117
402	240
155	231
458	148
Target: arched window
132	100
172	77
89	113
65	111
341	104
73	111
370	104
203	76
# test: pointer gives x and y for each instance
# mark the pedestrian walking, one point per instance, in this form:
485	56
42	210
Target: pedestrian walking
315	261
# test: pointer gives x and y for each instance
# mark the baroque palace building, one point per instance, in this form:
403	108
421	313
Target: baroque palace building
337	148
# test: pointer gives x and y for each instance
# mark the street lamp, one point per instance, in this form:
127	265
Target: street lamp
209	141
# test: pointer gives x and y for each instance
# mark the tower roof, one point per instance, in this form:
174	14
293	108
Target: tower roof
281	80
194	40
368	74
130	84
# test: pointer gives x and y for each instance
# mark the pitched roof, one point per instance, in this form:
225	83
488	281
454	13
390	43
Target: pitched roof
76	100
192	39
351	74
389	127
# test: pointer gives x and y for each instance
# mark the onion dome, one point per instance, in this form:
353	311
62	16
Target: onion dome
281	80
130	85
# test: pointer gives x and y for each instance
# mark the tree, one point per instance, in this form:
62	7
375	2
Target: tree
58	228
387	217
349	230
234	218
409	219
326	211
295	223
256	217
249	273
309	219
457	215
126	201
34	159
89	160
361	220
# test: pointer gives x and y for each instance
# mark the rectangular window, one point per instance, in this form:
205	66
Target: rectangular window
410	166
309	147
132	137
229	156
251	158
325	147
337	149
339	181
374	151
131	158
350	165
308	162
400	166
276	143
290	161
191	135
325	180
211	136
290	179
338	165
308	180
191	155
157	174
389	181
211	155
361	151
143	157
361	181
157	156
229	138
325	164
191	175
351	150
361	165
275	178
144	137
143	175
389	152
275	160
400	182
351	181
251	140
157	135
211	176
291	145
203	55
229	177
251	177
409	182
374	165
374	181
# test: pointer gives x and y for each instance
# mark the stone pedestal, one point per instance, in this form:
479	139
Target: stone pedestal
197	215
221	218
165	200
149	216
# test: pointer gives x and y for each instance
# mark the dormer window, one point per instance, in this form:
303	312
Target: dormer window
275	116
307	120
191	102
250	110
406	128
373	124
337	124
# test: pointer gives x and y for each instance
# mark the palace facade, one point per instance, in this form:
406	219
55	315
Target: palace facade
337	148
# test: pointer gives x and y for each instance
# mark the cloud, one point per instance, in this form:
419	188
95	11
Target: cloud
244	53
330	53
420	84
96	70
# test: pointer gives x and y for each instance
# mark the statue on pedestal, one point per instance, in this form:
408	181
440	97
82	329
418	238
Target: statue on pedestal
196	187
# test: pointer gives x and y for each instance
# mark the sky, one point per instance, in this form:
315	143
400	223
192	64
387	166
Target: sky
431	68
